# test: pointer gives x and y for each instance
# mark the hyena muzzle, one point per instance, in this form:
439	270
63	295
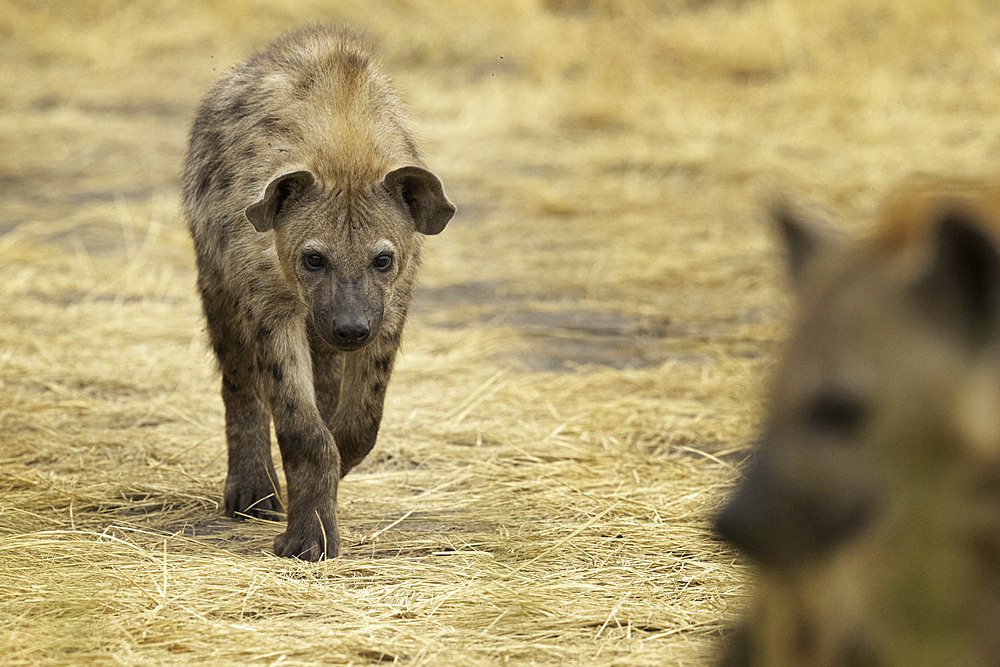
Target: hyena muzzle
307	203
871	506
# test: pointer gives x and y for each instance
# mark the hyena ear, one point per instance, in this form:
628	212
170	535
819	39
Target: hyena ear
961	283
421	193
262	212
804	238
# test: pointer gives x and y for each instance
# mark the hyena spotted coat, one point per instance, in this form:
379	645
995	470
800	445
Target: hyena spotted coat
307	202
871	507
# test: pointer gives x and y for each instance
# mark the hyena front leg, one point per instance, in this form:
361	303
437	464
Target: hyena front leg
362	395
252	487
308	452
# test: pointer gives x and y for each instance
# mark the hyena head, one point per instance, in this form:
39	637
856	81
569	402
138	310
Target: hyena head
345	250
888	387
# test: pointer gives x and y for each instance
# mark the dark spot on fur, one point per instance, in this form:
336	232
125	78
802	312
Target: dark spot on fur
223	178
384	363
277	372
228	384
305	82
209	144
203	176
289	408
204	182
206	149
292	446
238	109
354	64
264	331
377	388
260	364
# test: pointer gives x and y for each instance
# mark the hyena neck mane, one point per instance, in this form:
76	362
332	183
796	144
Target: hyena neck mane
350	154
351	164
362	132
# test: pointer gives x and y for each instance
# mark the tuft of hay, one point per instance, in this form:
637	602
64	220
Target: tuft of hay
581	372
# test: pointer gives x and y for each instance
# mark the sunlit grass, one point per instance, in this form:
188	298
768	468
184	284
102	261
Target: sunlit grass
582	370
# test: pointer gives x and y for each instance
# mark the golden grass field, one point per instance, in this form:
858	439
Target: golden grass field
585	362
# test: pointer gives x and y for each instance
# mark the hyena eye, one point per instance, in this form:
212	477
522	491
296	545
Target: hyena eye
313	261
382	262
836	414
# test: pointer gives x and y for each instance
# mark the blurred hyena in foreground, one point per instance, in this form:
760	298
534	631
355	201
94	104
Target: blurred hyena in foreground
306	200
872	505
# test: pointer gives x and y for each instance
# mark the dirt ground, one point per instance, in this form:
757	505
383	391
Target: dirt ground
585	361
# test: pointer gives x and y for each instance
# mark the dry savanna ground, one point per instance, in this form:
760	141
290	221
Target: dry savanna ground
584	366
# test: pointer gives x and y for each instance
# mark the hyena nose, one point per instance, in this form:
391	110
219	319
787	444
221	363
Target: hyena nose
351	333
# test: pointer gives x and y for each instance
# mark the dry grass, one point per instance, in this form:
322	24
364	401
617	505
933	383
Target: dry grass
583	365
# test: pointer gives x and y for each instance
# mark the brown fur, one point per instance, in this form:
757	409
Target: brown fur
303	152
872	504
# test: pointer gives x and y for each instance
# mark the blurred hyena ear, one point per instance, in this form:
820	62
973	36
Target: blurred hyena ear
960	286
262	212
421	193
804	238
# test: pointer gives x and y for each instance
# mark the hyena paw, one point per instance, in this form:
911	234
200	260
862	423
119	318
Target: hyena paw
252	500
308	545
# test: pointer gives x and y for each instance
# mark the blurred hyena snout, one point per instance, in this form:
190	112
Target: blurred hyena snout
735	525
778	519
746	522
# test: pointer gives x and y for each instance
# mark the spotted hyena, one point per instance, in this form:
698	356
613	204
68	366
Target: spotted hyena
871	507
307	202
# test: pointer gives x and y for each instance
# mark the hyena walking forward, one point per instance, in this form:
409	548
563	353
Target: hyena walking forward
306	200
872	506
